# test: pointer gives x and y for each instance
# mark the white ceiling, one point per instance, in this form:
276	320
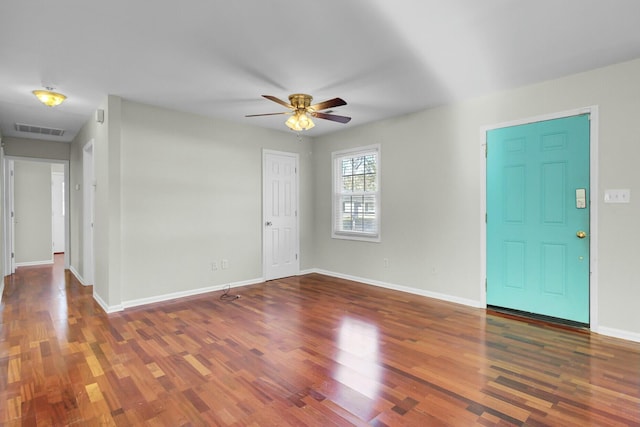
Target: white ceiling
215	58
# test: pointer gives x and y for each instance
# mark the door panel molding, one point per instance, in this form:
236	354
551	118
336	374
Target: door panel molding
593	197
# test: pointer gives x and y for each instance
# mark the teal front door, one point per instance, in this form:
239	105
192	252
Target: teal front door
538	218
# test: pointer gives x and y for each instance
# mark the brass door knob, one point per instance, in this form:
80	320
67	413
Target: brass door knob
581	234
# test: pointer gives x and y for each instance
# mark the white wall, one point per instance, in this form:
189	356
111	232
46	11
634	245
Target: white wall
431	175
32	195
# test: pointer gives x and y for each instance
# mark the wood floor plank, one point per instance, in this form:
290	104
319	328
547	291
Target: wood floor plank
302	351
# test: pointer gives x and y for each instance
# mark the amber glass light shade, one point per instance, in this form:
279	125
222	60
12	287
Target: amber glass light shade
49	98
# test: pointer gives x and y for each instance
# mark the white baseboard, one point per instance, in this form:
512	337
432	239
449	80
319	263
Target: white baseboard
160	298
618	333
34	263
415	291
176	295
78	276
108	309
611	332
96	297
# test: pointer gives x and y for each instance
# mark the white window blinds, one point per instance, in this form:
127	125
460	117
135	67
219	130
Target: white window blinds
356	194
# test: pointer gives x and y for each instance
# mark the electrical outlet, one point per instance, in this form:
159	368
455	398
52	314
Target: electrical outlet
225	264
214	265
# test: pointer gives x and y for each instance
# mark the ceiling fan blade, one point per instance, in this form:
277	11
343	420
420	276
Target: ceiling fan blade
279	101
268	114
335	102
332	117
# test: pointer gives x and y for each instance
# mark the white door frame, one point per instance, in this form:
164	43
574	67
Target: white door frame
8	208
88	212
593	199
67	217
54	228
296	156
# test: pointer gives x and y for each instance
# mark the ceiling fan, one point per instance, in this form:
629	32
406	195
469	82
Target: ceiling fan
302	111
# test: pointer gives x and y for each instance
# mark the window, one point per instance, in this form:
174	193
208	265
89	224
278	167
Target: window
356	194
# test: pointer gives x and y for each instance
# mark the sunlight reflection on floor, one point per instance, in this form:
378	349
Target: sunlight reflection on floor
357	359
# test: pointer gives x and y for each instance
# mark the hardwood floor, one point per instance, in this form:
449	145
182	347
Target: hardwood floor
309	350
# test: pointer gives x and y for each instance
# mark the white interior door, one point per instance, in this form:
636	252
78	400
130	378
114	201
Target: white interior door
280	214
58	211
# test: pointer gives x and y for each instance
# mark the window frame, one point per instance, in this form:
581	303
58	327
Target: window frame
336	193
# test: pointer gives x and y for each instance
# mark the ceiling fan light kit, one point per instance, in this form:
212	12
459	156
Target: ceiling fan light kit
49	98
302	111
299	121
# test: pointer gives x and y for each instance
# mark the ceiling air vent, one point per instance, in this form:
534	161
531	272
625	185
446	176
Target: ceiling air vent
21	127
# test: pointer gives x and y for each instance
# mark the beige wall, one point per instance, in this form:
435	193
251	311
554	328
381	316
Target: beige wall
38	150
32	198
98	134
431	192
191	194
25	147
175	192
2	219
76	197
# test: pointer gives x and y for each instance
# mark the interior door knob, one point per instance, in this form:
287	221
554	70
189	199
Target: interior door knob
268	223
581	234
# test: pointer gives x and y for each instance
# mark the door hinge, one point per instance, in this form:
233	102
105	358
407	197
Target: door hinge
296	256
485	217
485	284
486	149
13	255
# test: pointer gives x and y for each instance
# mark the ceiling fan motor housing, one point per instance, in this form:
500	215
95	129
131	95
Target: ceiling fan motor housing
300	101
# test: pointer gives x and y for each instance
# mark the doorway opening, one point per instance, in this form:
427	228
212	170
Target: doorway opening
36	206
58	208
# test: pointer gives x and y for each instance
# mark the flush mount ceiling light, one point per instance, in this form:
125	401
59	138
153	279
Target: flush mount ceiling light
301	111
49	97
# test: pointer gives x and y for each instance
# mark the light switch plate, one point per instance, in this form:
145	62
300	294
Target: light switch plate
617	196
